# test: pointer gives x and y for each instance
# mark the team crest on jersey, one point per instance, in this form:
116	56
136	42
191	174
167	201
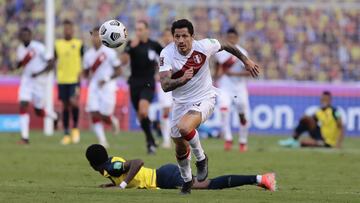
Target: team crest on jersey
197	59
161	61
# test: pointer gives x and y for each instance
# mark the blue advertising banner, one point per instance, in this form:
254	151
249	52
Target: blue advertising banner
9	123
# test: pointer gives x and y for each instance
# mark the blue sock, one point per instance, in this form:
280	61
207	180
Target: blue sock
229	181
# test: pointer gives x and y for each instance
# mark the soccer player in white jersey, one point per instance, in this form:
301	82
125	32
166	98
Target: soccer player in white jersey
231	80
31	56
184	70
102	67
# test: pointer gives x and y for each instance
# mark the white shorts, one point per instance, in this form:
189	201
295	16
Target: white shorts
33	90
165	98
101	99
205	107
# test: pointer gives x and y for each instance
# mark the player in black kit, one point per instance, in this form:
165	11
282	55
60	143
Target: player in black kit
143	54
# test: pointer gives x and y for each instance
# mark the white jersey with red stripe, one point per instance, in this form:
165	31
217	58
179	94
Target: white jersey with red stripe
101	63
231	63
32	57
200	87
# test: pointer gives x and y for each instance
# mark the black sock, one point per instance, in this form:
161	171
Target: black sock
65	119
229	181
75	116
146	126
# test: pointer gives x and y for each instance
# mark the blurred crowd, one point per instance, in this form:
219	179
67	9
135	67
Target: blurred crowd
292	42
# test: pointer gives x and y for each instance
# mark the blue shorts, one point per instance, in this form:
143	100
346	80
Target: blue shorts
168	177
66	91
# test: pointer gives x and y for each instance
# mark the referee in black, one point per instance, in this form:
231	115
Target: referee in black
142	53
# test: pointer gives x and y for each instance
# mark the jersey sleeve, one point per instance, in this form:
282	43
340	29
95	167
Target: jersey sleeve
127	48
114	59
221	57
116	168
210	46
18	54
336	113
164	61
158	48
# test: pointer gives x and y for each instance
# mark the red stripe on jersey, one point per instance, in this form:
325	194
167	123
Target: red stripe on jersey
27	58
228	63
195	61
101	58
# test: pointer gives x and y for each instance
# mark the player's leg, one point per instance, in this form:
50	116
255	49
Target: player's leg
241	101
24	97
145	98
266	181
38	100
74	103
165	127
24	122
306	124
98	128
225	105
64	98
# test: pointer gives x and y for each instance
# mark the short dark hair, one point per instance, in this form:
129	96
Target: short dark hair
326	92
96	154
67	22
146	24
25	29
232	30
182	23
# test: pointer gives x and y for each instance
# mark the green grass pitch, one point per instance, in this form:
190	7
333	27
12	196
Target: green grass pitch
45	171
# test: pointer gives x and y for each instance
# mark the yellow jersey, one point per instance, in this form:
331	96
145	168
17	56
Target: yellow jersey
327	119
68	54
114	170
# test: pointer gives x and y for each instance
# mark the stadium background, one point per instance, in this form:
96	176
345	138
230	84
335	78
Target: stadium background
294	42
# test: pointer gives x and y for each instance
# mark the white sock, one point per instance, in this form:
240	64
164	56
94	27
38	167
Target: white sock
196	148
185	168
243	134
99	132
165	130
226	125
24	125
52	115
258	179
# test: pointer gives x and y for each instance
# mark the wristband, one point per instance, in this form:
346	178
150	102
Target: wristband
123	185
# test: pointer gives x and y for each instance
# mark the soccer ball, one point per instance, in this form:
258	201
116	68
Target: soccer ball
113	33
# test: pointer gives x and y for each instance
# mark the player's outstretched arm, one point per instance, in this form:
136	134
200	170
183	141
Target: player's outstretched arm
50	65
131	167
250	66
169	84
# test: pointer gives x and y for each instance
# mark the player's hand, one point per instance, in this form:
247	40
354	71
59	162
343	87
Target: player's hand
252	67
189	73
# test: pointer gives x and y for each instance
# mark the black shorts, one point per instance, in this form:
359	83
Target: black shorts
168	177
141	91
66	91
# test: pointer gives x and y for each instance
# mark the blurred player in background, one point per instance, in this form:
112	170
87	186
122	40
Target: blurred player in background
142	53
132	174
31	56
68	53
325	127
231	79
165	98
102	67
184	70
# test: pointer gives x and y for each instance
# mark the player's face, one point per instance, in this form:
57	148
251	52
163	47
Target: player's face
95	39
141	31
183	40
232	38
167	37
325	100
68	31
25	37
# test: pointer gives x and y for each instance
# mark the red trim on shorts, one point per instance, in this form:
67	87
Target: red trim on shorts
191	135
224	109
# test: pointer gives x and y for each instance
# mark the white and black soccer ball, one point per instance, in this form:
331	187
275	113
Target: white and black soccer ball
113	33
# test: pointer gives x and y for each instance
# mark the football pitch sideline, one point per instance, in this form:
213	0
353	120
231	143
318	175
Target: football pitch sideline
45	171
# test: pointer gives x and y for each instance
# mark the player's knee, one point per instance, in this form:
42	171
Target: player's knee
184	128
24	108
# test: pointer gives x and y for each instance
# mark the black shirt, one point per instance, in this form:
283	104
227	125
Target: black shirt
143	61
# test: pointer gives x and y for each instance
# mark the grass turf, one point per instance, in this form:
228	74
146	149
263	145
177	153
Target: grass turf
45	171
